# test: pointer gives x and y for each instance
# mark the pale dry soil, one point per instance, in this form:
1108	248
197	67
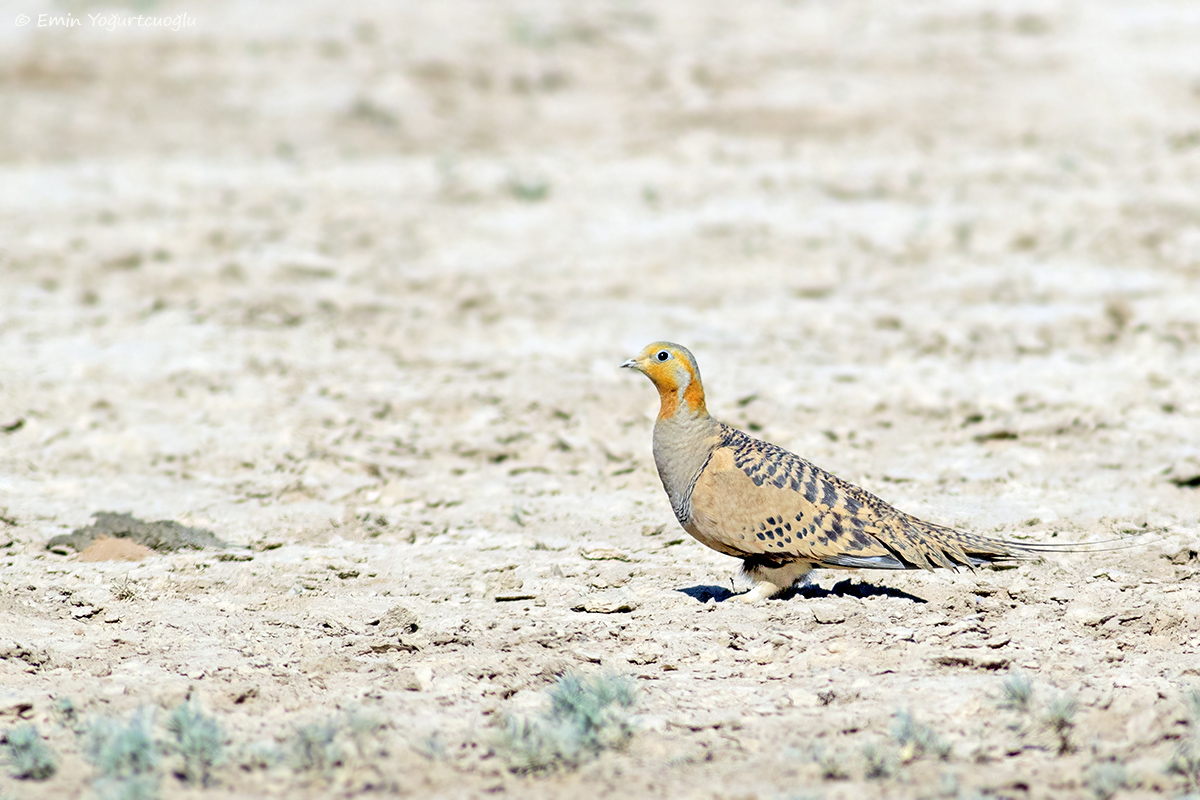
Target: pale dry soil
349	288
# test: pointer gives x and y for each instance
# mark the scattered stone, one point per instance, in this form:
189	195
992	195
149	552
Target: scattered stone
19	652
415	679
616	601
829	616
392	647
954	660
605	554
163	536
397	621
14	705
244	693
511	598
644	655
1187	555
992	663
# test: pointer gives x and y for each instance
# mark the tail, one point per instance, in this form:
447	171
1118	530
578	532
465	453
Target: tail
925	545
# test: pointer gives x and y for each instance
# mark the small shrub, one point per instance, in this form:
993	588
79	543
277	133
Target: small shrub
258	755
916	740
1186	764
1191	701
125	589
1186	760
1017	693
1060	719
29	758
118	750
126	758
830	765
528	189
1106	779
432	747
198	739
585	718
315	747
65	708
878	765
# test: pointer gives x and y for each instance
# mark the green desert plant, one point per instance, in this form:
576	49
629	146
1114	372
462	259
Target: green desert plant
125	756
878	765
257	755
431	746
830	764
1017	693
315	747
1106	778
1191	701
527	188
198	739
29	758
916	740
586	717
64	707
1185	762
119	750
1058	716
1060	719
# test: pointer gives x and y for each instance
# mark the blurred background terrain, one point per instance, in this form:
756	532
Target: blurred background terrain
348	285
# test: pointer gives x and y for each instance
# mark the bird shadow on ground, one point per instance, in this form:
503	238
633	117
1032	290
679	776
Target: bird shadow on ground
845	588
706	593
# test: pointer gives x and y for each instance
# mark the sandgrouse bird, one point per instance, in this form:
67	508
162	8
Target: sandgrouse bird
777	512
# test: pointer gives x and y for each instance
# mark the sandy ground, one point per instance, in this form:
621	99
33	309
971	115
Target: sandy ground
348	286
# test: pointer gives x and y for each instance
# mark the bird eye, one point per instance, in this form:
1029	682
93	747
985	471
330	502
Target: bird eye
663	355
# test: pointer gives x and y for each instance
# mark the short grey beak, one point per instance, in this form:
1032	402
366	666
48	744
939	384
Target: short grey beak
631	363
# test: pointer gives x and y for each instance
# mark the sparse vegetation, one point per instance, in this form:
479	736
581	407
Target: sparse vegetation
878	765
315	747
916	740
29	758
343	740
198	739
125	589
258	755
68	715
1060	719
1106	779
432	747
125	758
528	188
1017	693
1057	718
1191	701
586	717
830	764
1185	762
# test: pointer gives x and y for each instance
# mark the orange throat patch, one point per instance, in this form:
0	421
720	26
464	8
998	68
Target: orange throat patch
691	398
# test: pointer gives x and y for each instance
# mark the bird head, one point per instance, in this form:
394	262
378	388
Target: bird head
673	371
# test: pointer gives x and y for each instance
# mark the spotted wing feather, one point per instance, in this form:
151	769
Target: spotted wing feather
756	500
